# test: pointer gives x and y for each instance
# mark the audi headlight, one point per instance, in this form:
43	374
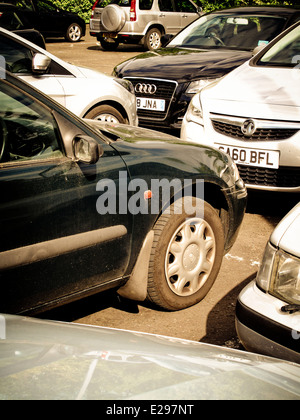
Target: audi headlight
280	275
195	86
194	111
126	84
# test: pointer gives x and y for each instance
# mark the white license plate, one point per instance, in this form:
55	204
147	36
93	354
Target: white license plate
252	157
151	104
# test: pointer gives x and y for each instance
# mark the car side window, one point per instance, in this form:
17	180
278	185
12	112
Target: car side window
10	20
28	131
18	58
146	4
44	6
184	6
166	5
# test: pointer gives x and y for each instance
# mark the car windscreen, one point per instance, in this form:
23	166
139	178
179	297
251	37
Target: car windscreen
285	52
10	20
230	31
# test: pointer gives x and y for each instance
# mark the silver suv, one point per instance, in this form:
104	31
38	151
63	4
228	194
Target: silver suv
139	21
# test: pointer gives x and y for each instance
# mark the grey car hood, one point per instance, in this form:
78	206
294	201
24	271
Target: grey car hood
286	234
55	360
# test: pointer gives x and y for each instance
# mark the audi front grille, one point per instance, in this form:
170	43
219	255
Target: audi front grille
164	89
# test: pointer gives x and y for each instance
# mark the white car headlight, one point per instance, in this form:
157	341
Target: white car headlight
263	277
286	283
194	111
279	274
126	84
195	86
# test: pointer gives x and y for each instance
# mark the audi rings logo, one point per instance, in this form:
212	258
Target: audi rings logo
145	88
248	128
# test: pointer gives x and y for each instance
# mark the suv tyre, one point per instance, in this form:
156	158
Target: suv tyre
109	44
152	39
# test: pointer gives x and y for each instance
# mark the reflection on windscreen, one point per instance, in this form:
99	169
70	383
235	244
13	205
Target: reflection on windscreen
285	52
230	31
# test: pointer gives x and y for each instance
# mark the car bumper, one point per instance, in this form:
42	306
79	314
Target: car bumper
263	328
285	178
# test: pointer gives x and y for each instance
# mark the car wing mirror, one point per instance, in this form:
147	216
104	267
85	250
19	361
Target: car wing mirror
40	63
86	149
258	49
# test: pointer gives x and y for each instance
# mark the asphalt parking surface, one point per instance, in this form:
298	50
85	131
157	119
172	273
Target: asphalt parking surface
212	320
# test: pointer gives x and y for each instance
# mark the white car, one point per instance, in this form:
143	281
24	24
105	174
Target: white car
132	373
253	114
268	309
85	92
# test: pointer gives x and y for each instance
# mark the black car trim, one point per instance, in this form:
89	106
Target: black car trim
55	247
266	327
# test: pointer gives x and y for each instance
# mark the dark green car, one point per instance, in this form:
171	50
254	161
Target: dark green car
86	207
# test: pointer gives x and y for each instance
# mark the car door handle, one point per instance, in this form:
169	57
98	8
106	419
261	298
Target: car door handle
162	15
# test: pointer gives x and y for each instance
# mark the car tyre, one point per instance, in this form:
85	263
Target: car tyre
74	33
152	39
109	44
106	113
186	256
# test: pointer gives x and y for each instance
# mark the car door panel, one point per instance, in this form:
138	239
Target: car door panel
49	84
54	239
54	243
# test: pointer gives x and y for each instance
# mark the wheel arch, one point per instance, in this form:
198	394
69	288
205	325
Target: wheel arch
154	25
136	287
114	104
213	195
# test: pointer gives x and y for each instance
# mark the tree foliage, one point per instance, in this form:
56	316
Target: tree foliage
223	4
83	7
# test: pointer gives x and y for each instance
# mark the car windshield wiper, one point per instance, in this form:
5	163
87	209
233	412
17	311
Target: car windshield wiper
291	308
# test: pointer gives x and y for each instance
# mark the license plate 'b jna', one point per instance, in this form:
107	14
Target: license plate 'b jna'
151	104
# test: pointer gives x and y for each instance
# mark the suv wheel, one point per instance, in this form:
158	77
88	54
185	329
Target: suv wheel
113	18
152	39
73	33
